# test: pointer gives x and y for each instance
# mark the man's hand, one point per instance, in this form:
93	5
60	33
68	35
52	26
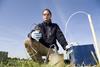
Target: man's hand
36	35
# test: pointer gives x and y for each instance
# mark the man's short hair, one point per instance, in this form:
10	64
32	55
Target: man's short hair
47	10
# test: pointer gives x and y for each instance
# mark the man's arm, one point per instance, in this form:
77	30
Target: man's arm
61	39
29	34
35	28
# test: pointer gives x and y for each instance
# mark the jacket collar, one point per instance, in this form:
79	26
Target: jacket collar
47	23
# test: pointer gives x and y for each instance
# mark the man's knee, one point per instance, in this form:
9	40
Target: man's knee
27	42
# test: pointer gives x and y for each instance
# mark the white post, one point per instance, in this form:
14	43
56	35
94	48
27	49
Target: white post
94	38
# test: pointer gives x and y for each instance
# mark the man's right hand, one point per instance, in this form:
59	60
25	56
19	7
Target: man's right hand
36	35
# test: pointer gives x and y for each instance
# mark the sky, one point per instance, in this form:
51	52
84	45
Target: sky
18	18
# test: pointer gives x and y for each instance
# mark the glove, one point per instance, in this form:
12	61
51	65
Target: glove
36	35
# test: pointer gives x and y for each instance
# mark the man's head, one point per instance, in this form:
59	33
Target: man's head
46	15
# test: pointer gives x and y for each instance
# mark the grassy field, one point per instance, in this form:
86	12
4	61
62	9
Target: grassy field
24	63
29	63
21	63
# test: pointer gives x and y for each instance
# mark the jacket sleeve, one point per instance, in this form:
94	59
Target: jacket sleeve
36	27
60	37
29	34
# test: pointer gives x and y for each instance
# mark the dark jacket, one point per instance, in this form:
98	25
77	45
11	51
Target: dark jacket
50	33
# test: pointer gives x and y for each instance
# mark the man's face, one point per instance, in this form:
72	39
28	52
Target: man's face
46	16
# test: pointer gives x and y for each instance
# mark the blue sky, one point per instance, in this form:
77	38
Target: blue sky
17	18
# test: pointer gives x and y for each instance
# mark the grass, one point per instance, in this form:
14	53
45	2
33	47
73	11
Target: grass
29	63
22	63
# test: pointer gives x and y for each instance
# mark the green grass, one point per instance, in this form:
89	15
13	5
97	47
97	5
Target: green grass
22	63
28	63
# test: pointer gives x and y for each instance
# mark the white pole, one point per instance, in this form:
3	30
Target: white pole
94	38
92	30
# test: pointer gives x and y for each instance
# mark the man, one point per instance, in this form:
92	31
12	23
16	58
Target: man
42	40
